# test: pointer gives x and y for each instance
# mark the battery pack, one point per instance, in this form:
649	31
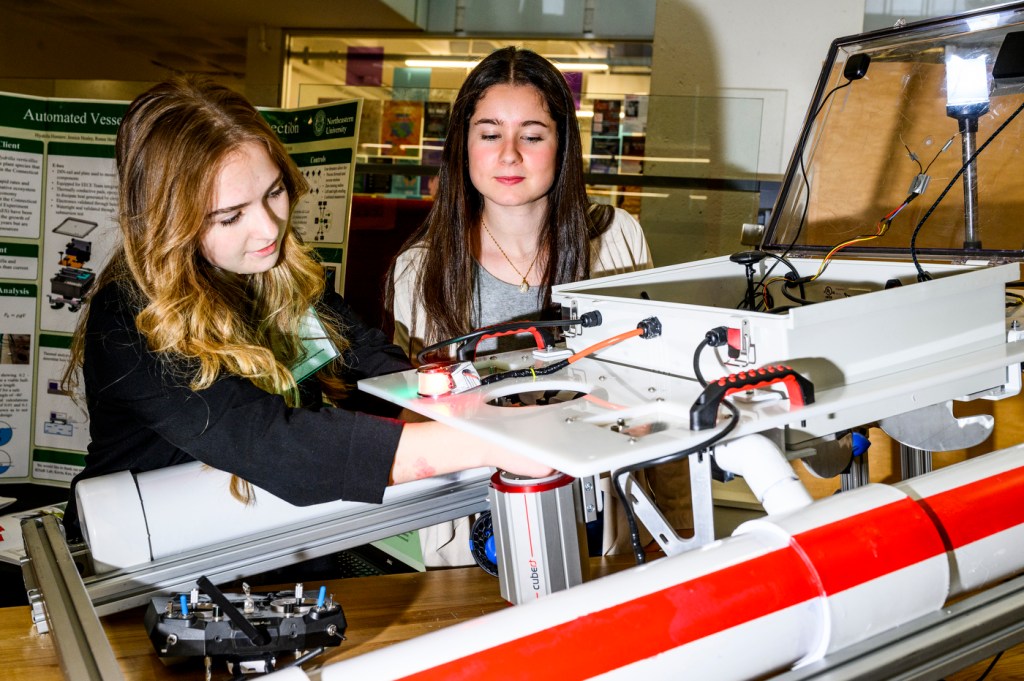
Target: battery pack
540	535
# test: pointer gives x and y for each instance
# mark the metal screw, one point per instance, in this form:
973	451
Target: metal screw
171	640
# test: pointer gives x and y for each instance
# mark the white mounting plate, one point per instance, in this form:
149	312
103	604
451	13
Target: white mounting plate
576	438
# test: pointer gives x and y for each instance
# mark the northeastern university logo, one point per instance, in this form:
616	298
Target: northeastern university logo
319	123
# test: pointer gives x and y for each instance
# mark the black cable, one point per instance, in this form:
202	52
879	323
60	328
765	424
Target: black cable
993	664
768	303
921	274
937	154
760	286
715	338
303	659
791	266
504	326
696	363
800	225
634	531
782	308
913	156
807	186
793	298
525	373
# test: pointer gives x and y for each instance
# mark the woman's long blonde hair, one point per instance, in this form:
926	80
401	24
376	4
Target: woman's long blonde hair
171	145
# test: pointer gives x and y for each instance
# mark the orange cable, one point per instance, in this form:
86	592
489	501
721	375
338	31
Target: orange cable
605	343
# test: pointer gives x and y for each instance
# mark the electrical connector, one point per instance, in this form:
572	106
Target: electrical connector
651	328
717	336
920	184
590	319
792	280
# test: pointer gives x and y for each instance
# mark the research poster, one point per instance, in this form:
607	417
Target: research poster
322	141
58	228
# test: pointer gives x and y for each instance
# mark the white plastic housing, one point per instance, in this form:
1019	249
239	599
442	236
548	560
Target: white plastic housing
859	330
132	519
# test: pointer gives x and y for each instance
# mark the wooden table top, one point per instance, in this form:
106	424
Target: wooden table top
379	611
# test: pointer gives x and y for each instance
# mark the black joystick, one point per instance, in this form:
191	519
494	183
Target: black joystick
748	259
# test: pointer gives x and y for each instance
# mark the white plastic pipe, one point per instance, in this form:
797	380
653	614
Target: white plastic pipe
785	591
129	519
980	512
766	471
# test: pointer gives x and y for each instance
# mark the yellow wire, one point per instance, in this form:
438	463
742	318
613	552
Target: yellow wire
883	227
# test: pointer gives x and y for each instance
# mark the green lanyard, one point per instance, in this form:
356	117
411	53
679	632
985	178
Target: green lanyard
317	348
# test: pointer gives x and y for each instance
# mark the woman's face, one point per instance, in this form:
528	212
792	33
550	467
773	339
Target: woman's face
249	215
512	144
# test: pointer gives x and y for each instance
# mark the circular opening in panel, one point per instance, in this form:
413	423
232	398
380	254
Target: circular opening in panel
536	398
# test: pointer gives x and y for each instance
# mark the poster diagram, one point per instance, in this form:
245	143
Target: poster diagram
61	421
80	223
320	215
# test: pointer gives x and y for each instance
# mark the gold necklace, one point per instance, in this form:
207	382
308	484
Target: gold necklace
524	286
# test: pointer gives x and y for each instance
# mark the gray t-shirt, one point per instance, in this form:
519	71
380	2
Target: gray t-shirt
497	301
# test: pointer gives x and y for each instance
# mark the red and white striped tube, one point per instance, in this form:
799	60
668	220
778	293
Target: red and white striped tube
784	590
979	510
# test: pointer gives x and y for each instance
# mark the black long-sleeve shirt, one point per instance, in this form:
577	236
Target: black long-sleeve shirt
143	416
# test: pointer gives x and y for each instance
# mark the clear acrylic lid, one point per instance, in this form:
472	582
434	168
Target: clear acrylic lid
913	145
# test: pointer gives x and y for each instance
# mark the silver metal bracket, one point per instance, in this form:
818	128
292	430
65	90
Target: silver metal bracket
936	429
748	351
664	534
589	498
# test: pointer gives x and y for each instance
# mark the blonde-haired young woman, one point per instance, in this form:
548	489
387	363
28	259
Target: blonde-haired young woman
188	344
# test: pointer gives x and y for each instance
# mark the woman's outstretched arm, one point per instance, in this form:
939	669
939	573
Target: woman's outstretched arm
432	448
